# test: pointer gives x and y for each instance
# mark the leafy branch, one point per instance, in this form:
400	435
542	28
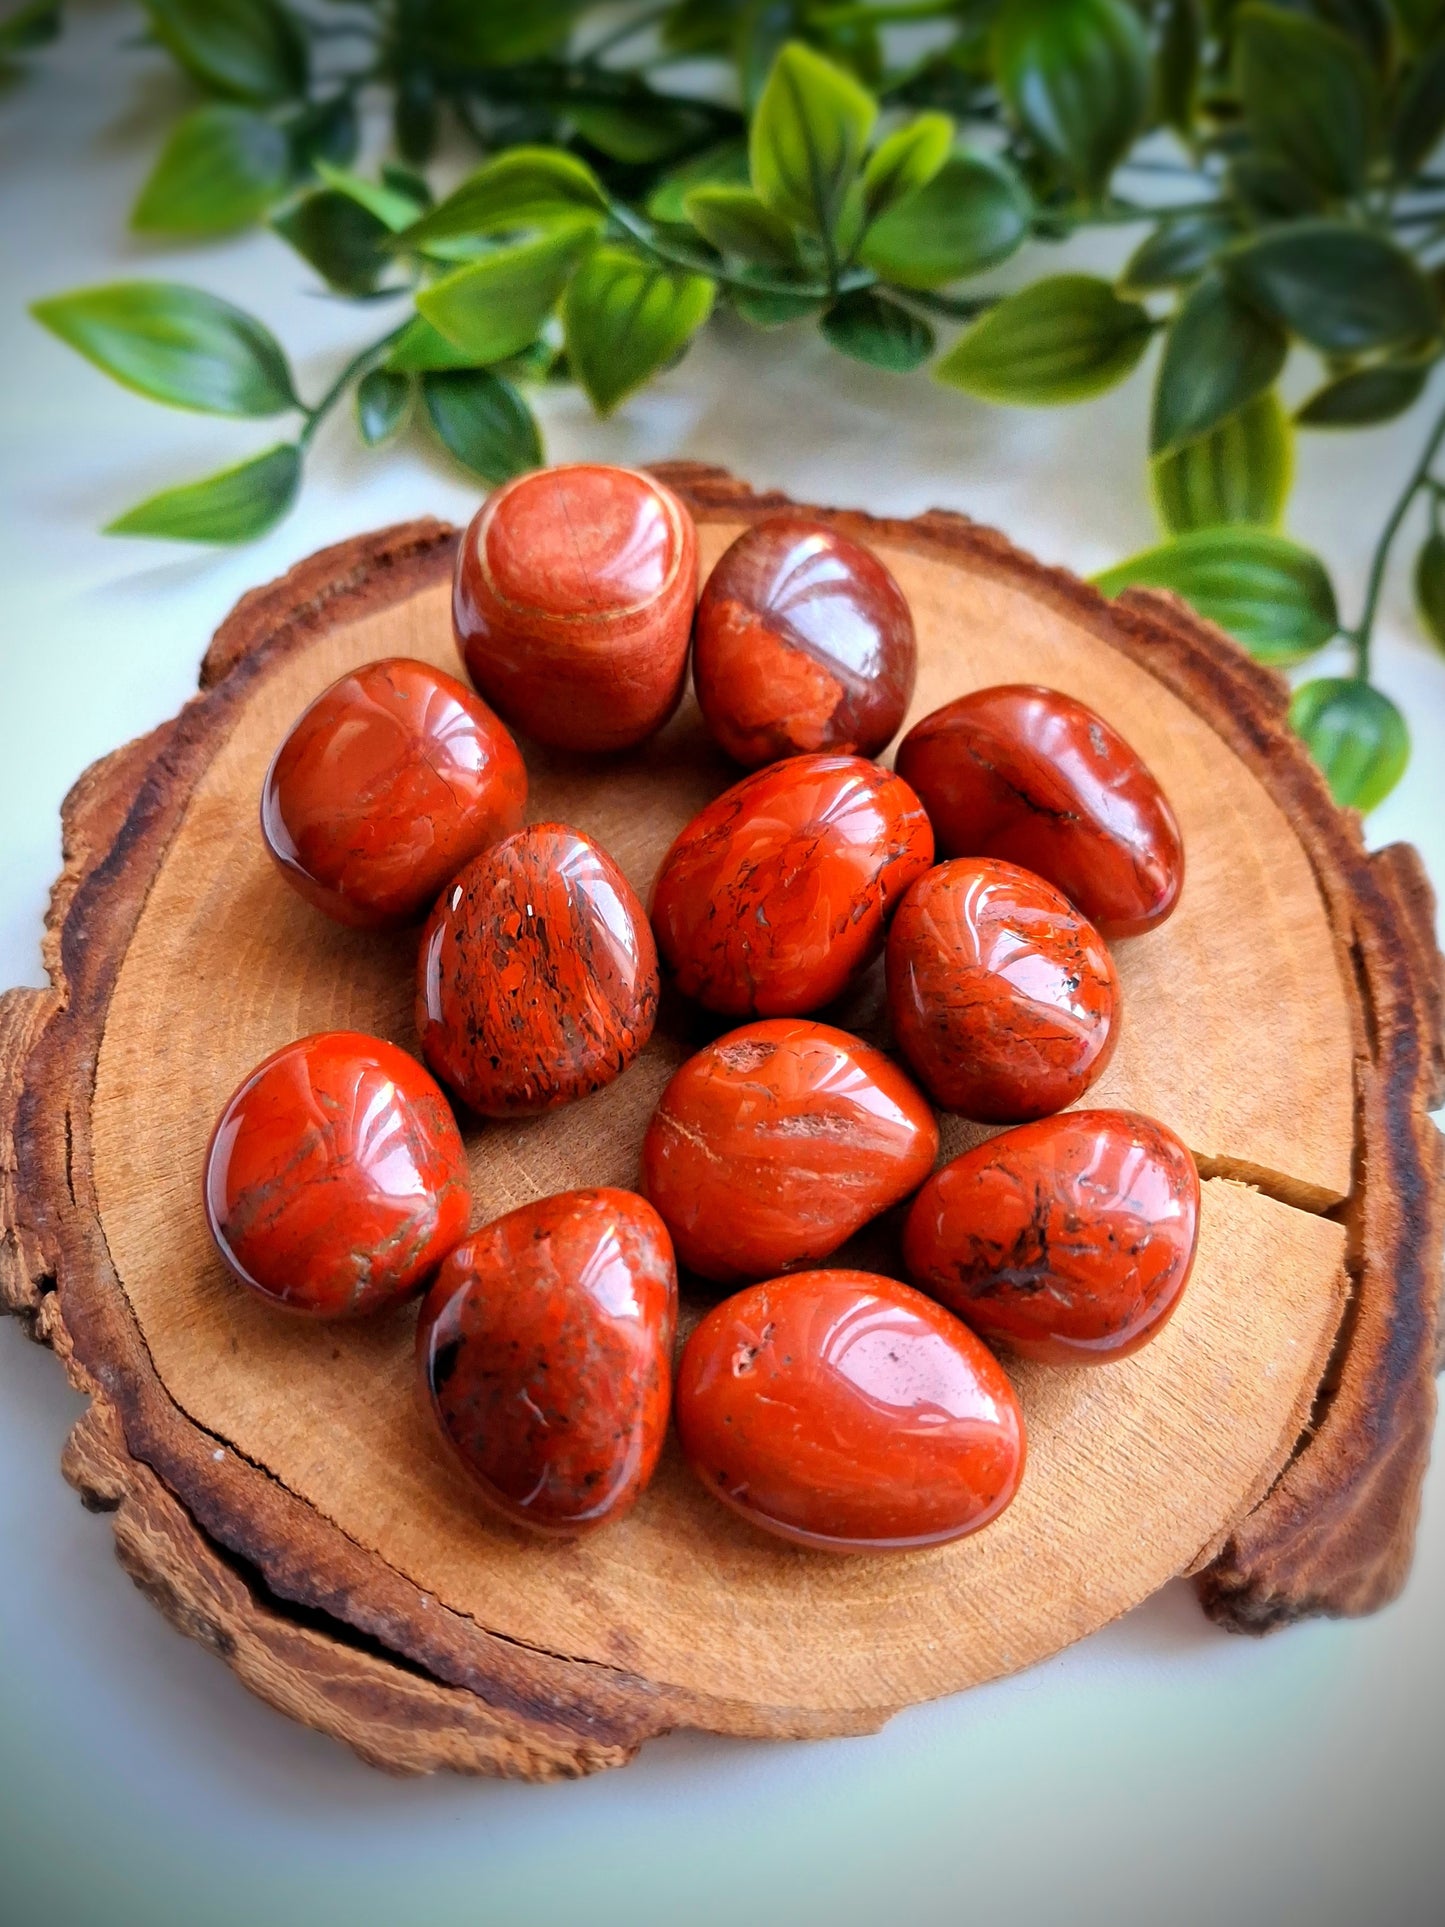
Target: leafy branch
805	163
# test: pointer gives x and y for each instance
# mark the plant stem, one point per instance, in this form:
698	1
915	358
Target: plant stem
357	364
1420	478
675	257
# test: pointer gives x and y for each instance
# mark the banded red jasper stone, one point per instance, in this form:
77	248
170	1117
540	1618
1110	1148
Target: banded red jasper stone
1036	778
848	1412
335	1178
776	894
573	601
803	641
384	787
1069	1240
772	1146
537	978
1003	997
545	1354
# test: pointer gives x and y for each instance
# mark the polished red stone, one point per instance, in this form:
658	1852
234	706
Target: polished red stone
394	778
573	603
776	894
846	1411
803	641
335	1178
1034	777
1069	1240
545	1352
537	977
775	1144
1003	998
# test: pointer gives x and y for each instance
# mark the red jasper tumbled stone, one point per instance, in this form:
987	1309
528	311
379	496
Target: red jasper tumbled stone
1036	778
772	1146
803	641
776	895
573	601
1069	1240
545	1353
384	787
848	1412
537	977
1003	998
335	1179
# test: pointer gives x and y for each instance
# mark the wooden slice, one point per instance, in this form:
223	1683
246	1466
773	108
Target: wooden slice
274	1486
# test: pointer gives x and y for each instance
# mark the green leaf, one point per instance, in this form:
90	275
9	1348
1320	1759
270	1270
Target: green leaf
221	168
807	139
394	210
1239	472
725	165
483	422
624	319
1076	75
638	132
765	308
487	33
245	49
405	181
340	238
1178	252
1365	21
871	328
383	401
973	214
415	116
526	187
327	130
495	305
1176	74
1419	118
235	506
1307	96
1421	18
1220	353
1430	586
1063	339
419	348
1364	396
1272	190
737	223
175	344
34	25
1269	593
1343	289
904	162
1356	735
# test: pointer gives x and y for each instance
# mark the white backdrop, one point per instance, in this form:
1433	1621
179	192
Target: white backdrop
1161	1771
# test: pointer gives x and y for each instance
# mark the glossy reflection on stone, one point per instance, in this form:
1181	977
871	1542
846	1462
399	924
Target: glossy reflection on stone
776	895
1069	1240
1003	998
573	602
848	1412
335	1179
1036	778
771	1147
545	1354
803	641
385	786
537	978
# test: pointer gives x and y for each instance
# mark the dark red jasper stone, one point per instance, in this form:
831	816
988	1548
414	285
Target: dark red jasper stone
1034	777
1069	1240
394	778
335	1178
848	1412
775	896
537	978
1003	997
573	603
803	641
545	1352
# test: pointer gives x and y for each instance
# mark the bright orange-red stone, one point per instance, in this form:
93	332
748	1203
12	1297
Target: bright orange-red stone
772	1146
394	778
537	978
776	894
573	602
803	641
848	1412
1069	1240
1003	998
1036	778
335	1179
545	1352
